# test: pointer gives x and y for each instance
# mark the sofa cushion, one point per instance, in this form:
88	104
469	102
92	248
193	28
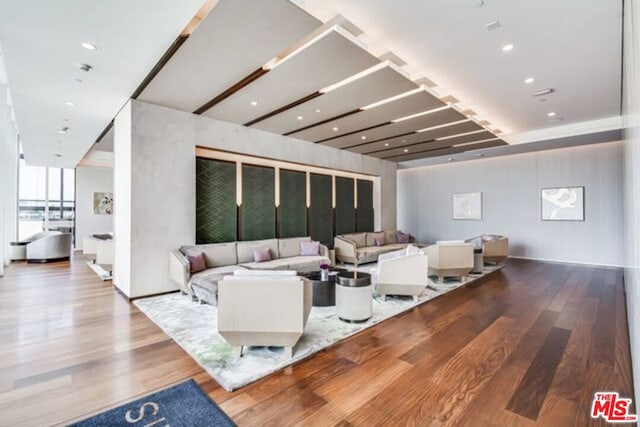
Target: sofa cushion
291	246
360	239
490	237
371	238
245	249
262	254
196	262
274	264
299	263
215	254
214	273
391	236
309	248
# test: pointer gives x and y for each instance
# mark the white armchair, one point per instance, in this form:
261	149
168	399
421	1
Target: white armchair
450	258
402	273
49	246
265	308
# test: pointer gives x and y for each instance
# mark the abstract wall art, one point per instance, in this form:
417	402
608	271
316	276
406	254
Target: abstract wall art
103	203
467	206
562	204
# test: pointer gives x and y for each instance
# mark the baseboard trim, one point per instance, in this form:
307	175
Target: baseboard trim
561	261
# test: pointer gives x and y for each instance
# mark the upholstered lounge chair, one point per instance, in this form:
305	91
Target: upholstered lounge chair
404	272
450	259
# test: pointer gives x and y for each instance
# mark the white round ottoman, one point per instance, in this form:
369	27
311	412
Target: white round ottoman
354	294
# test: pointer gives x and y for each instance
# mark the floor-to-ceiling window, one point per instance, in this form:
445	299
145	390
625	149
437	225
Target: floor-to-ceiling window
46	199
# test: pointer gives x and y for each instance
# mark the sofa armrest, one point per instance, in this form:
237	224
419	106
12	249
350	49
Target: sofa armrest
49	247
324	251
346	251
179	269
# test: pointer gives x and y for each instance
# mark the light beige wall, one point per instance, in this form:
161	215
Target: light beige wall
156	154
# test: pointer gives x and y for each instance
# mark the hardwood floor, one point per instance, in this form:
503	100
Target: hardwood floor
528	346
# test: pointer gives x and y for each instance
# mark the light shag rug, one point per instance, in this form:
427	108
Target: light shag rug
101	272
194	327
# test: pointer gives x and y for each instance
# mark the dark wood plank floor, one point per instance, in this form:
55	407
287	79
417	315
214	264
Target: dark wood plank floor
529	346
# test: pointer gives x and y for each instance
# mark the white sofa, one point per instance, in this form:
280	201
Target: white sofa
263	309
46	246
224	258
402	272
452	258
360	248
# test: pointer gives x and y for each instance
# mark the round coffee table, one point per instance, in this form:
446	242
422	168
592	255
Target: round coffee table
354	294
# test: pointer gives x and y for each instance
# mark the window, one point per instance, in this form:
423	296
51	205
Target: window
46	199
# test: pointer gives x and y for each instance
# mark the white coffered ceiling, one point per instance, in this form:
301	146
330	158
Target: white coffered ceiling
298	69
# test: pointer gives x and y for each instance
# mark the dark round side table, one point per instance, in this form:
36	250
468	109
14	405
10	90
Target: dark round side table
324	291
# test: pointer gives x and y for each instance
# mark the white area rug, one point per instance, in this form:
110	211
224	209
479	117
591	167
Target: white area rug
101	272
194	327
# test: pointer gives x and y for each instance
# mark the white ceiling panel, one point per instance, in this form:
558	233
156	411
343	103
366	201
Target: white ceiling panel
381	84
328	60
416	138
412	104
435	118
444	151
235	39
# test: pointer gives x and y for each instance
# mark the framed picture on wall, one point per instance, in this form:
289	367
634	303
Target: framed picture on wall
103	203
562	204
467	206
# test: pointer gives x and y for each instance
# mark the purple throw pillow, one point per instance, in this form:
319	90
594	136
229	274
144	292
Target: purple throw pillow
309	248
196	262
380	241
262	254
404	237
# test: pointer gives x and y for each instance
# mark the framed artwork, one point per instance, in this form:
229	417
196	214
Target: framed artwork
562	204
103	203
467	206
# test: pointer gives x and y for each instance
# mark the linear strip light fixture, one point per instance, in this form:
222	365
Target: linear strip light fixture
423	113
283	57
362	74
460	134
393	98
442	126
475	142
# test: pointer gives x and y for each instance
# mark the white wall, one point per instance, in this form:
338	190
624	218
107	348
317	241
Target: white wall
155	183
510	189
90	180
631	110
8	180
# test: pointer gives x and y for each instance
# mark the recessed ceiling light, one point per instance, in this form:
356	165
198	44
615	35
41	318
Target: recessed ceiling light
78	80
89	46
363	137
70	103
335	129
254	103
404	140
84	67
507	47
300	117
450	159
386	144
529	80
478	3
479	155
551	114
57	155
63	129
318	110
406	150
494	25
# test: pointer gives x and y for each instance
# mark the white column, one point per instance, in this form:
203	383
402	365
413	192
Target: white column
8	179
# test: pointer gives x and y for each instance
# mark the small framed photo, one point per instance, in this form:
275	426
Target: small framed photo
467	206
562	204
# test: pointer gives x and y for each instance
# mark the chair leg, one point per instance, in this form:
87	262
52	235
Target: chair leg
441	279
288	351
237	351
415	298
383	297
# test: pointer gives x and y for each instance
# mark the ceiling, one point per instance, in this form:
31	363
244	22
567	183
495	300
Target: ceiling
313	75
41	45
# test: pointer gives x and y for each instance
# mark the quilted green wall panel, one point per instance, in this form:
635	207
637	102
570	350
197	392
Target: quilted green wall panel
216	209
321	209
364	220
345	209
292	214
258	212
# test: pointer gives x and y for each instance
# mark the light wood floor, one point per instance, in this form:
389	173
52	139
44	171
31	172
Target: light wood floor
529	346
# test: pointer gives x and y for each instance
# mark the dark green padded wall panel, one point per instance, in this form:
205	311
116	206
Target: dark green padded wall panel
364	220
258	214
345	208
216	209
321	209
292	213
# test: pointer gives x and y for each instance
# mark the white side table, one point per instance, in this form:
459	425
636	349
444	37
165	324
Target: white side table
354	294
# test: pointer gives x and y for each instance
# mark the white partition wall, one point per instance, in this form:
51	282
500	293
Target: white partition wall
154	187
8	179
90	180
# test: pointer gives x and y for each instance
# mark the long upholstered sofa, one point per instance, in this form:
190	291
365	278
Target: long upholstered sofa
224	258
361	248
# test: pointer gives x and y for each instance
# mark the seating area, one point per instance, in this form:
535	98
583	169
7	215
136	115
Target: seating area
362	248
45	246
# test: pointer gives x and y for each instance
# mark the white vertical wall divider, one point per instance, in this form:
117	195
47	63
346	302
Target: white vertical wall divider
8	179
